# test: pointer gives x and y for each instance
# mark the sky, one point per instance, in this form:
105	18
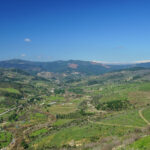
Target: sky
100	30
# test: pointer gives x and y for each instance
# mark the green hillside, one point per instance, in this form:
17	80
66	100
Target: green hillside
75	111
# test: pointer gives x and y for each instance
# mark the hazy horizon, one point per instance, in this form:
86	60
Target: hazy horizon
102	62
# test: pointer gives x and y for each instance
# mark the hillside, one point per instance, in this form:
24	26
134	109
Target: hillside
71	66
73	111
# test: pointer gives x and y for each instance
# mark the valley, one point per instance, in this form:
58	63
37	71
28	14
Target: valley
109	111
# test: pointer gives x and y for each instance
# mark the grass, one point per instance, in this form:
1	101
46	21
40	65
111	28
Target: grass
2	98
5	139
139	97
38	117
10	90
61	122
141	144
62	109
56	98
6	116
2	110
130	117
115	91
137	93
41	84
38	132
146	113
76	101
80	135
145	87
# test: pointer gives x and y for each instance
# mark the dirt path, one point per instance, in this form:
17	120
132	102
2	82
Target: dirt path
141	115
9	110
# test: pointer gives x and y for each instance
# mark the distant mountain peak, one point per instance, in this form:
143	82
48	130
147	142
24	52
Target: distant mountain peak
83	67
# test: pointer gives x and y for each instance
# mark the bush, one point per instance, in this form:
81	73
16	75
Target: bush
13	117
115	105
77	90
24	144
59	91
1	120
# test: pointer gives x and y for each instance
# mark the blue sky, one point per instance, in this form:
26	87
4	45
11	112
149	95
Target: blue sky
102	30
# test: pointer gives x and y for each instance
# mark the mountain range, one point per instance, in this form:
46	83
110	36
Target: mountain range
70	66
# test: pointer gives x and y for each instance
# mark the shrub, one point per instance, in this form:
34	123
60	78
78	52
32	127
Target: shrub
13	117
115	105
24	144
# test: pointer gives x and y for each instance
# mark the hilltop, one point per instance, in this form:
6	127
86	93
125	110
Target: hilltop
70	66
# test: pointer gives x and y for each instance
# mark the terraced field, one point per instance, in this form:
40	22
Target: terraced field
78	136
130	118
110	113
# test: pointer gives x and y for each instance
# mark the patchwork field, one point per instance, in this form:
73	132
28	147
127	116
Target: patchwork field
109	111
130	118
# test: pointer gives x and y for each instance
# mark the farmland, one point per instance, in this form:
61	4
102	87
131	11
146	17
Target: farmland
96	112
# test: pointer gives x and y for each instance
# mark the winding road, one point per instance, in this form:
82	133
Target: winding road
141	115
128	126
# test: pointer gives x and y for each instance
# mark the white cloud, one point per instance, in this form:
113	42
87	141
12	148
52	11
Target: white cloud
112	63
143	61
23	55
27	40
121	63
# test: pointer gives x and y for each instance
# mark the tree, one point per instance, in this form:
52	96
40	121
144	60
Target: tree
13	117
1	120
24	144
